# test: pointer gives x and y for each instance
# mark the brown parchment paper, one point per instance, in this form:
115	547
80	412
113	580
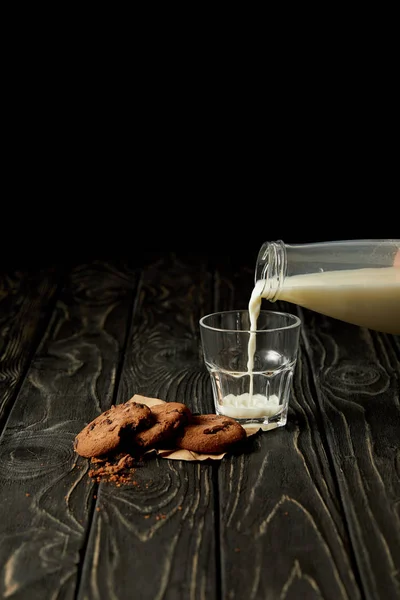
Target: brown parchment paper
180	454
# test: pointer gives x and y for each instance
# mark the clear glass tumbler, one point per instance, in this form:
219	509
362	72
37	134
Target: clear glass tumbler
251	371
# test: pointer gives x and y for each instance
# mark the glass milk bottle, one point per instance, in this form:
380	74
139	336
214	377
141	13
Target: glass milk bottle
357	281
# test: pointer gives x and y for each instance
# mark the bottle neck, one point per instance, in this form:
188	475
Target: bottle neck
271	268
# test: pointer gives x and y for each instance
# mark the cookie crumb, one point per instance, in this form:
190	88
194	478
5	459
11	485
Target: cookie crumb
118	469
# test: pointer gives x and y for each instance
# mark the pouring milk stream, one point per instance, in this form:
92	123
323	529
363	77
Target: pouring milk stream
367	295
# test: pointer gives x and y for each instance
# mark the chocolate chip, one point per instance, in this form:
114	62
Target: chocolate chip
215	429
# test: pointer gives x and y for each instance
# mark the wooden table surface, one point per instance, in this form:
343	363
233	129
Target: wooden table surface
310	511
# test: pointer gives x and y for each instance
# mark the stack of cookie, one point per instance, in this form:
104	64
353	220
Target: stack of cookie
135	428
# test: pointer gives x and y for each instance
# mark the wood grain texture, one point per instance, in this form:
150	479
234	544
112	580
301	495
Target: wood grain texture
282	525
45	496
357	375
310	511
157	540
25	306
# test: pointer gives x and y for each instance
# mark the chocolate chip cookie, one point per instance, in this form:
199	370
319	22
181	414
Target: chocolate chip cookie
106	432
169	419
210	434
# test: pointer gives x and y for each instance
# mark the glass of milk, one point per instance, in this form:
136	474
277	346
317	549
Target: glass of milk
251	361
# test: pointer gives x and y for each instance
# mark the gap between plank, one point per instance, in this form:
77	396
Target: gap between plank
217	531
92	507
37	339
329	455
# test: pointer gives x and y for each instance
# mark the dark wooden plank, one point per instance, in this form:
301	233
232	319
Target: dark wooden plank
26	301
395	340
281	522
157	540
357	374
46	498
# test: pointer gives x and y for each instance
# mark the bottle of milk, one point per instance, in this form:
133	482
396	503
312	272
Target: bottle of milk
357	281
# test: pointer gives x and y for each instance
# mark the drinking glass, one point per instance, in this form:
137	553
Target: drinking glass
251	371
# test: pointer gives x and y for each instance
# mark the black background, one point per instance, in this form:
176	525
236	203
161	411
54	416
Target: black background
80	186
172	149
61	217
